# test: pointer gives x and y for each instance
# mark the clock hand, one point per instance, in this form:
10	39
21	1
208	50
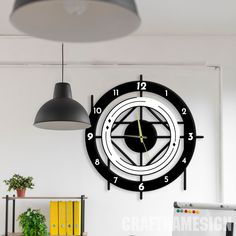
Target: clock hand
134	136
139	129
141	137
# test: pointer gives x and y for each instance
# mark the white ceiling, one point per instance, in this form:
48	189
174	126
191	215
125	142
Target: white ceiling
167	17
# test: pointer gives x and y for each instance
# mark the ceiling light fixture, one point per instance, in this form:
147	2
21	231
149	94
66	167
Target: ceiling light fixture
76	20
62	112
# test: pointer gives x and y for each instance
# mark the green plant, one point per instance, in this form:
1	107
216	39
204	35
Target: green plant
33	223
19	182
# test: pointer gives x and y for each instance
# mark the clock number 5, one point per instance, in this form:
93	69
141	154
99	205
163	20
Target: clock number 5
141	86
166	179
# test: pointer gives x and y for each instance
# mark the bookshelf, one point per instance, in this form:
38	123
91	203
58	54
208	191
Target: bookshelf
14	199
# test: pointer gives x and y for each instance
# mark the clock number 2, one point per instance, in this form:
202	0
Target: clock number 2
141	86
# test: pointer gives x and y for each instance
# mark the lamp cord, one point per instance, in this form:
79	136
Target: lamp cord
62	63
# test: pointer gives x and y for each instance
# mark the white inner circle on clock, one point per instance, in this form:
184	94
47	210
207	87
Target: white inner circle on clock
168	160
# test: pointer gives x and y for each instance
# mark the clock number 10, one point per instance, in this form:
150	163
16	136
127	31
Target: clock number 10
141	86
97	110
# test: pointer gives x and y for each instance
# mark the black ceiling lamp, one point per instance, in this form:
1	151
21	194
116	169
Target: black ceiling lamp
76	20
62	112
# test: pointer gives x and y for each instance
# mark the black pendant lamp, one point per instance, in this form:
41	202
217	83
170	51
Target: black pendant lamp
62	112
76	20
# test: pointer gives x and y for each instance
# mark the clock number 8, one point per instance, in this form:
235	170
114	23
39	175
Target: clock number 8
97	162
141	85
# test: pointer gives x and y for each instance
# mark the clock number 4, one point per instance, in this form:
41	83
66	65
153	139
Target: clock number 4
141	86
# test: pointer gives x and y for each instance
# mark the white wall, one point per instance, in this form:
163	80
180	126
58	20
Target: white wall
30	151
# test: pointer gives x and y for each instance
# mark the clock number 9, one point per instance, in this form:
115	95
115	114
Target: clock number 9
90	136
141	187
141	86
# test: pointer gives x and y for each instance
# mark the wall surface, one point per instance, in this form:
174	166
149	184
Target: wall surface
59	161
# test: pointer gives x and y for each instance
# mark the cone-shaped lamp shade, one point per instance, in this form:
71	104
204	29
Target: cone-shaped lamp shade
62	112
76	20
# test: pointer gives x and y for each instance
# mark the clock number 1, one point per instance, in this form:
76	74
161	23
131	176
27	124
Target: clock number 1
141	86
166	92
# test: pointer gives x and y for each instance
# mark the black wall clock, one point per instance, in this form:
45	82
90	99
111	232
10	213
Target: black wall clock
142	136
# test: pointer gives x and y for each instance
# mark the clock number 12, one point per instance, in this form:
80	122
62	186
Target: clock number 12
141	86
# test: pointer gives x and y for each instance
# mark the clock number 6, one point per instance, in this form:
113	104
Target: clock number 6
141	85
141	187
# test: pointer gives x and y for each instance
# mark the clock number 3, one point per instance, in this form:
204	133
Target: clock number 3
190	136
141	86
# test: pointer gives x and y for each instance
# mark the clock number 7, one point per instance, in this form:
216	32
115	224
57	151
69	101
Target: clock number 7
115	180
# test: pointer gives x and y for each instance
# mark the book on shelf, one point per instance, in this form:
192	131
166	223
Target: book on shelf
65	218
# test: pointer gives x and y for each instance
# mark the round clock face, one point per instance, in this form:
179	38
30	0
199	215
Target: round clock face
142	136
